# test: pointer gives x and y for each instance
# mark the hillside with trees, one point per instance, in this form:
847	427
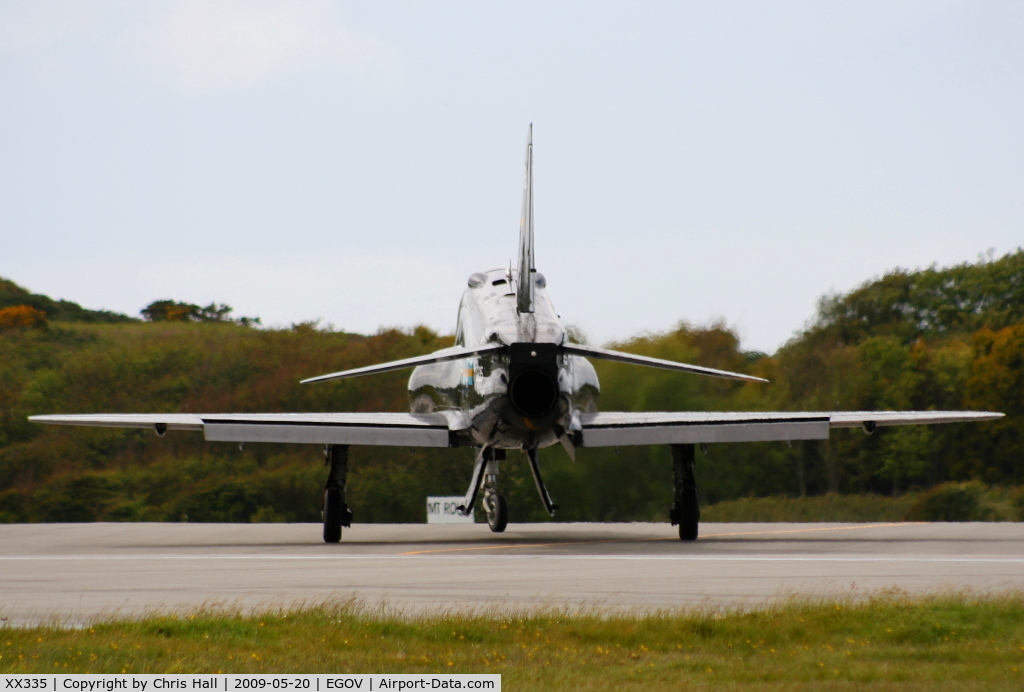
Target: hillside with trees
13	295
937	338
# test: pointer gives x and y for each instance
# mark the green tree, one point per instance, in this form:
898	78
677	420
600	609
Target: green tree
173	311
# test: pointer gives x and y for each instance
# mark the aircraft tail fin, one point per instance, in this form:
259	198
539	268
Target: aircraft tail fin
527	268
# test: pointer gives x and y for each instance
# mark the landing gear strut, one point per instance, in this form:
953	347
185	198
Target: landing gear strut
486	471
550	506
685	505
336	510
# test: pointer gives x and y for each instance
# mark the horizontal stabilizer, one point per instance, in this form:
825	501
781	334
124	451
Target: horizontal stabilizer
619	357
436	357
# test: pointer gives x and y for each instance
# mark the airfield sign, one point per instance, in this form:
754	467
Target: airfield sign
445	510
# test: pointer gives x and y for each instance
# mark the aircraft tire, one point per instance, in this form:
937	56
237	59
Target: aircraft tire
497	512
689	514
332	515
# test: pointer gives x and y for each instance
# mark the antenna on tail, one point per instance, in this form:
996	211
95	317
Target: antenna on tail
527	268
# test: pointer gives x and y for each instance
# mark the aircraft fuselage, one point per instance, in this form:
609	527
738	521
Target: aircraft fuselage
528	396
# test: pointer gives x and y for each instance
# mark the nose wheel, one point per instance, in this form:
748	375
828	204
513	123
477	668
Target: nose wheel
495	506
497	511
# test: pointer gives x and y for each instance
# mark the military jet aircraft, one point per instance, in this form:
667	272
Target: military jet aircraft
514	380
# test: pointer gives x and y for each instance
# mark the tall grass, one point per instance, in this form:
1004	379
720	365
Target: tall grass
823	508
889	641
971	501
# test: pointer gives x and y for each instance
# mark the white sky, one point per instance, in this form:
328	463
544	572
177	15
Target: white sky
356	161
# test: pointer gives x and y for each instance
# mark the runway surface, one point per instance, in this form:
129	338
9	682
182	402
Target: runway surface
76	572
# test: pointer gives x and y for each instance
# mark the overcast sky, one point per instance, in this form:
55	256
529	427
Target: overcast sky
354	162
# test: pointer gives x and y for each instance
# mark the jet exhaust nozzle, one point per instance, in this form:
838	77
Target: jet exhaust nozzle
533	378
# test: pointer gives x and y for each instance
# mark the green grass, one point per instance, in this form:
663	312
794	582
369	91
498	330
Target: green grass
945	502
830	507
890	641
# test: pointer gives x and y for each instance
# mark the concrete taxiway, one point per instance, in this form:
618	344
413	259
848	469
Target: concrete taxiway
77	572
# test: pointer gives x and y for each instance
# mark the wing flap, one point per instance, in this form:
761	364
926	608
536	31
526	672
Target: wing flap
375	429
693	427
383	429
625	429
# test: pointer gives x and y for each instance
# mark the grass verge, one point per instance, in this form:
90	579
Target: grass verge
827	508
970	501
890	641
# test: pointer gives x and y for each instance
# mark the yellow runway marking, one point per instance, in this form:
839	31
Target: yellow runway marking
659	538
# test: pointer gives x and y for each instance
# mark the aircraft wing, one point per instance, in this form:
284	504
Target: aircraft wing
608	429
383	429
615	429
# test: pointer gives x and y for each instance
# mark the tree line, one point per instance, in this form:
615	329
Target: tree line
936	338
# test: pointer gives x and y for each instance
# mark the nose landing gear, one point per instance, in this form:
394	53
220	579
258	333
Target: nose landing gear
485	473
495	506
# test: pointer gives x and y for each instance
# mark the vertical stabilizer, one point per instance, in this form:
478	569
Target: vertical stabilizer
527	269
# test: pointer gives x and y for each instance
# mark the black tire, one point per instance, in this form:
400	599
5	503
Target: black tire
497	512
689	514
332	515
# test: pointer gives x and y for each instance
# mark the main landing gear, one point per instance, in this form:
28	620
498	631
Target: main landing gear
685	505
336	510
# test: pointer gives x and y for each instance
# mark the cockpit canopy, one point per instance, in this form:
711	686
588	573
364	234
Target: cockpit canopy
478	279
488	309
